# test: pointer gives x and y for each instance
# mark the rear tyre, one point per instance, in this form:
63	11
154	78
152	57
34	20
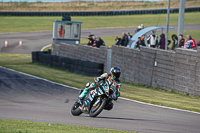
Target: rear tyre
75	109
96	110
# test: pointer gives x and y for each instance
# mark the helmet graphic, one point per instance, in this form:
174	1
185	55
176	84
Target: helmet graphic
115	72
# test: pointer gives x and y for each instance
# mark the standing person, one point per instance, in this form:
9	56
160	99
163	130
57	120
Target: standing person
162	41
124	41
188	44
99	42
188	37
118	41
94	41
175	42
181	42
129	36
90	43
140	27
139	43
198	43
142	39
152	40
60	31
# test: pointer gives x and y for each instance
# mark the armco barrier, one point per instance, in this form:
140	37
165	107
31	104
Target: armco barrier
64	63
97	13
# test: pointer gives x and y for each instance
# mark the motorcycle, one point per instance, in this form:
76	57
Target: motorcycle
96	100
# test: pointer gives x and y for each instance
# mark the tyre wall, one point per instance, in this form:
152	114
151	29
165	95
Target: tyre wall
97	13
87	68
178	71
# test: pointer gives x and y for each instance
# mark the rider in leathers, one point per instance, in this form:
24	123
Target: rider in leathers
111	77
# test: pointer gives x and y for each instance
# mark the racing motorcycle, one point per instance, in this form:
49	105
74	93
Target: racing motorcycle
96	99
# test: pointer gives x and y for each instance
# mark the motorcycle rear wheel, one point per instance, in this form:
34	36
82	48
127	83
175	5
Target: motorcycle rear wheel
96	110
75	109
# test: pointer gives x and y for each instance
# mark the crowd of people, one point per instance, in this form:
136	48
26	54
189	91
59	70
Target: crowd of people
153	42
95	42
124	40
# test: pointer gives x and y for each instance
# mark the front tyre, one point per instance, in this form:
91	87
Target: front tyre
75	109
96	110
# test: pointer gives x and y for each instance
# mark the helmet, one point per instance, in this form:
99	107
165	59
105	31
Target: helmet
115	72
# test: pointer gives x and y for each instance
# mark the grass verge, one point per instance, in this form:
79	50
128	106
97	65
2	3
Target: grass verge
19	126
27	24
23	63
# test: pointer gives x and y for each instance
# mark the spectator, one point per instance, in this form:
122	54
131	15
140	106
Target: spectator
129	36
188	44
139	43
99	42
124	40
181	42
94	41
198	43
118	41
152	40
188	37
142	39
90	43
162	41
140	27
60	31
175	42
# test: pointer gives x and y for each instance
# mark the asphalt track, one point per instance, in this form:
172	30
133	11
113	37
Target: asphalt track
25	97
34	41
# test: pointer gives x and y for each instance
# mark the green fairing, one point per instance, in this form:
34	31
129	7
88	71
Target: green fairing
86	90
103	76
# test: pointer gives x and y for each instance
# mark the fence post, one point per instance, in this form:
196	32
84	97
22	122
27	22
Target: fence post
109	58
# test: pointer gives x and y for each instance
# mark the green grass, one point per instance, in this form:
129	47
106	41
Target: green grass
23	63
27	24
19	126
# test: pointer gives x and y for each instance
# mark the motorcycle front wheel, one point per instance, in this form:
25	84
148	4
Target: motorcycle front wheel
75	109
96	109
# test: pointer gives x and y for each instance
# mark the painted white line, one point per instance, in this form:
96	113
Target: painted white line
45	47
170	108
160	106
39	78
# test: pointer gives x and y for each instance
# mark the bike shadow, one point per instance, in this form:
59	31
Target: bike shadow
121	118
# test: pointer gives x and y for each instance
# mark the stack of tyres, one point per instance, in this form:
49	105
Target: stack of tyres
35	56
92	68
64	63
56	61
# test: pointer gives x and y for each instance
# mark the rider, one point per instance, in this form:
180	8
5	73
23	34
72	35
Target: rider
113	76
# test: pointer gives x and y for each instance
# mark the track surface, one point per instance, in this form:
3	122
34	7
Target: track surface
34	41
24	97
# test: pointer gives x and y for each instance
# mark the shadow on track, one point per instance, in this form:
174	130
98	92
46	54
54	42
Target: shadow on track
118	118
